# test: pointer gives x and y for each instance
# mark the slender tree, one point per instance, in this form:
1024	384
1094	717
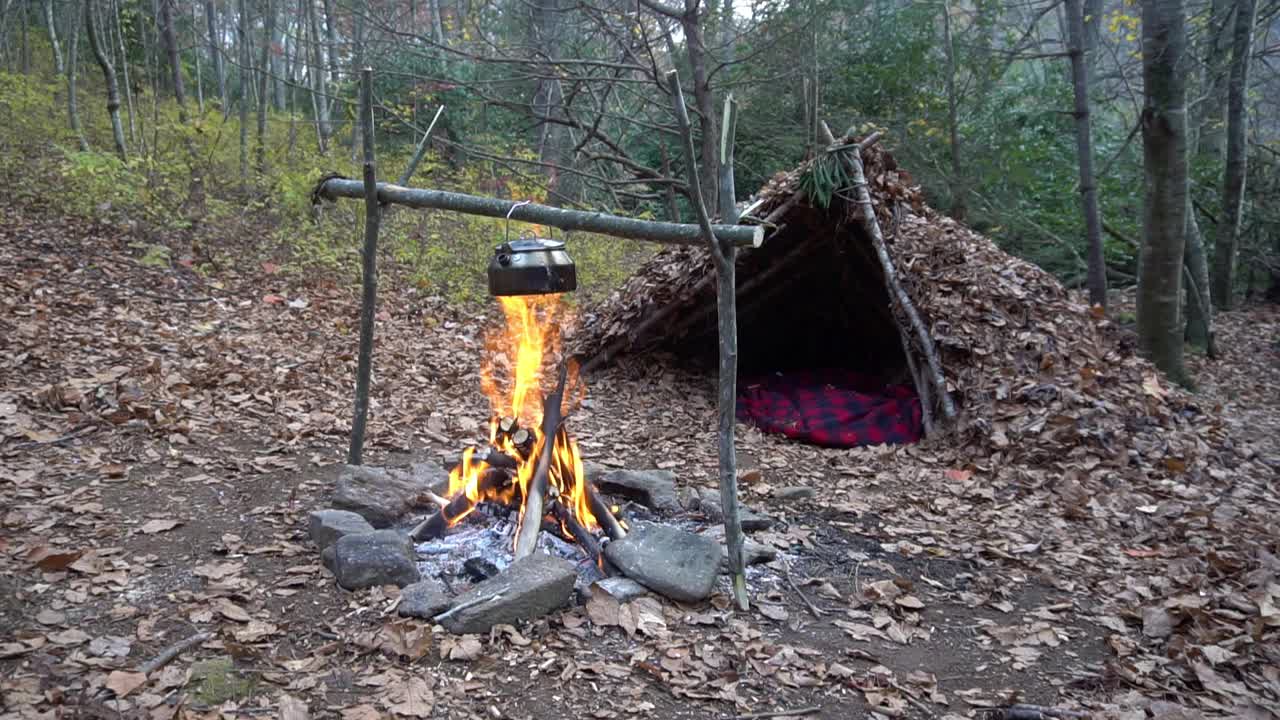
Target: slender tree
108	75
1084	152
1228	239
245	58
73	45
1164	219
215	51
959	190
1195	265
264	72
53	36
169	39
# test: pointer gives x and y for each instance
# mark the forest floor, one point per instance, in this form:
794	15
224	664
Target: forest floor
164	433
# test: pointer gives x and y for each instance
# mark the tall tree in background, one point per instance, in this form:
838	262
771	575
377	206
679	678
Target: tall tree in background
264	73
959	189
1228	241
1084	152
215	51
53	35
169	38
96	43
73	46
1164	217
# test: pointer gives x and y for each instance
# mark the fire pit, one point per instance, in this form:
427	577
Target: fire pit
531	462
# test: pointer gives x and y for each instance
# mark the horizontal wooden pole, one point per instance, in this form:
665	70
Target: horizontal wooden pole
596	222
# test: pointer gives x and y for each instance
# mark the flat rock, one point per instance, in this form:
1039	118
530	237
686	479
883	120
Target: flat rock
707	502
622	589
675	563
794	493
377	495
530	588
381	557
424	599
654	489
326	526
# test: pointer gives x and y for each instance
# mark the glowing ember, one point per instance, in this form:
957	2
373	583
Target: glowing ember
511	378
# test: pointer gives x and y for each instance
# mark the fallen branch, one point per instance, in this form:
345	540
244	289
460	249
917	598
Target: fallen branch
813	609
167	655
604	514
811	710
1033	712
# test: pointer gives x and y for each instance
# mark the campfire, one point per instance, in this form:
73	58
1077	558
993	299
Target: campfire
530	462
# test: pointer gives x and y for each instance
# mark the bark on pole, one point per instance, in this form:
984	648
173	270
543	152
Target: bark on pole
53	36
1164	221
1084	153
568	220
897	291
369	268
723	256
1228	245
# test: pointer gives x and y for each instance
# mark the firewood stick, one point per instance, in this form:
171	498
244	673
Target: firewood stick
531	519
604	514
778	713
457	506
581	535
1035	712
168	654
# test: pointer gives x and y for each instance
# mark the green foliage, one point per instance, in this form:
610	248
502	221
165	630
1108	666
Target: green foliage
824	176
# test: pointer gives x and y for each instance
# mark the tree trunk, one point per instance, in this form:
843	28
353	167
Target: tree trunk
1212	136
1228	239
1084	152
108	75
245	54
357	67
437	23
959	186
73	109
278	64
124	70
264	70
320	92
1199	302
195	23
215	51
170	39
1164	221
53	36
545	22
691	23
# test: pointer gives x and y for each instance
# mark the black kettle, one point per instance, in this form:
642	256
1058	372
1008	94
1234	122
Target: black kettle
531	266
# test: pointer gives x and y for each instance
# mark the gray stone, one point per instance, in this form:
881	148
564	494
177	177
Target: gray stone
707	502
424	599
530	588
381	557
327	526
431	475
379	496
793	493
672	562
622	589
753	553
654	489
327	558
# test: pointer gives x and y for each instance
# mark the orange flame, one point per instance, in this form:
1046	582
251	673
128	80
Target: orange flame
511	378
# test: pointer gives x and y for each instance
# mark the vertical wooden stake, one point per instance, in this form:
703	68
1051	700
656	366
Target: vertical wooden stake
723	255
369	271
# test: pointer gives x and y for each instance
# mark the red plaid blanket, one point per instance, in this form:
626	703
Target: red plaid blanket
832	408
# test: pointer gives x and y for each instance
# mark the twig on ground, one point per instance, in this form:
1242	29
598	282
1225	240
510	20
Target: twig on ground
469	604
1034	712
813	609
778	713
911	698
167	655
79	432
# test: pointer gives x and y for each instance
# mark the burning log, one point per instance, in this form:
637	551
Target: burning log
459	506
534	502
603	513
580	534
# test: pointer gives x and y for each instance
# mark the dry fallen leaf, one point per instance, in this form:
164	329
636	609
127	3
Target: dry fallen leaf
230	610
291	708
151	527
123	682
415	699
